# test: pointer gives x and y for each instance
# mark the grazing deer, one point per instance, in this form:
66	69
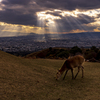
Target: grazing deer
69	64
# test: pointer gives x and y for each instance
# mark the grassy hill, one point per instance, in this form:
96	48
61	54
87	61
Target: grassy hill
33	79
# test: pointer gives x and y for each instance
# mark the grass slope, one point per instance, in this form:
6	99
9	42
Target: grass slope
33	79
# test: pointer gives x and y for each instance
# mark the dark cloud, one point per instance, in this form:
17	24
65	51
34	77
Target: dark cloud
48	4
14	17
26	15
69	4
20	2
98	16
58	4
85	19
19	12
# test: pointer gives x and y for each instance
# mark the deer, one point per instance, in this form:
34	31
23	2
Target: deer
69	64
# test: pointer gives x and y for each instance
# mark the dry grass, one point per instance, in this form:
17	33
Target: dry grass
33	79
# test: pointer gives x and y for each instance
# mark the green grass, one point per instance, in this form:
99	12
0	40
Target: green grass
33	79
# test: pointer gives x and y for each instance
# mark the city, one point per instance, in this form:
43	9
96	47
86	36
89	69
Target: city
32	44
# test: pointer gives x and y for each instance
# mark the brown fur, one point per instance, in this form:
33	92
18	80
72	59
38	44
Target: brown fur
71	63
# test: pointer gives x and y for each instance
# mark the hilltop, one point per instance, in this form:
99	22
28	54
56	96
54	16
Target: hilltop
33	79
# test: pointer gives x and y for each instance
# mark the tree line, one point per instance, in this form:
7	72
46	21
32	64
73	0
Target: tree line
91	54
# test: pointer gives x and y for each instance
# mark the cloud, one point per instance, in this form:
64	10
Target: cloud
14	17
85	19
24	12
97	29
69	4
69	23
19	2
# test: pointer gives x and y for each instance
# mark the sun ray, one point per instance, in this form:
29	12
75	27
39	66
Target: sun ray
47	22
41	24
17	30
47	19
71	25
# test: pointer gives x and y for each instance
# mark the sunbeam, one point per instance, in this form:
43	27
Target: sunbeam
19	30
47	22
41	24
15	30
52	21
9	30
71	25
46	18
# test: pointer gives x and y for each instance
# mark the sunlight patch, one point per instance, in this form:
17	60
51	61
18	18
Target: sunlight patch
97	29
16	30
77	31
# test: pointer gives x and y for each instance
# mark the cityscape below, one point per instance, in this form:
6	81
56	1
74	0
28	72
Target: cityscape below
35	42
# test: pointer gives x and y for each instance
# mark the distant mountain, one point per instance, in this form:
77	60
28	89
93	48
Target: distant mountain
79	36
45	37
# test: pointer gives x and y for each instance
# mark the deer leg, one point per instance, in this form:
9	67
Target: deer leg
65	74
72	74
77	72
82	71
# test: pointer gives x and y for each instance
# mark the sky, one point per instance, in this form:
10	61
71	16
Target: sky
22	17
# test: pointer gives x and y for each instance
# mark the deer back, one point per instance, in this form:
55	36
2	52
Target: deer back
75	61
